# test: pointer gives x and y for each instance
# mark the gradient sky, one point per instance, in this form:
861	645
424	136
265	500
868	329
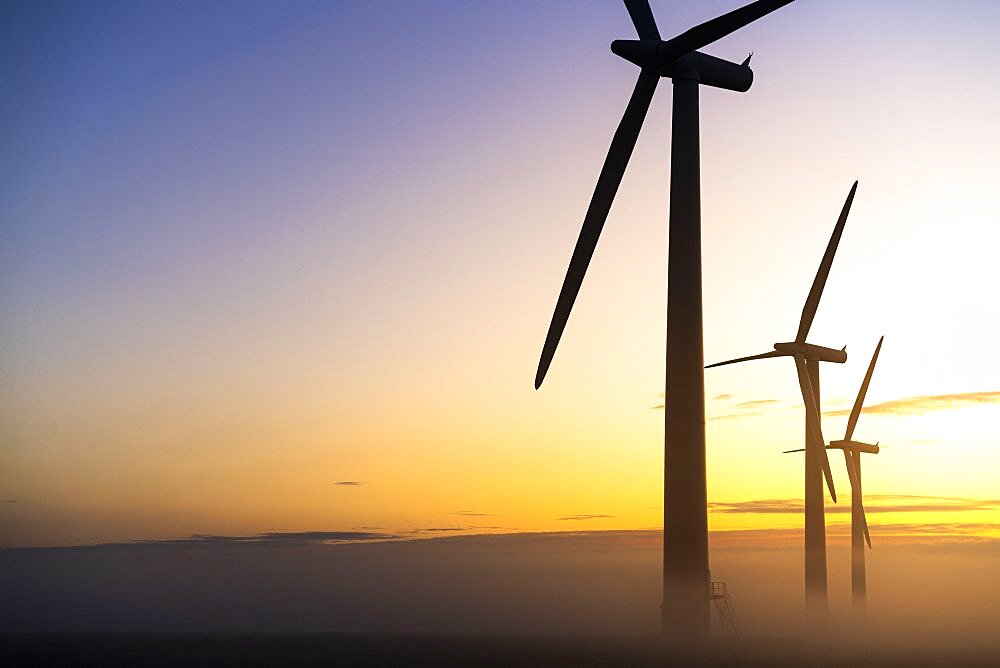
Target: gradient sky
251	250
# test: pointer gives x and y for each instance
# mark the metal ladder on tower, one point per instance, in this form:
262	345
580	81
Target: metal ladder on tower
723	602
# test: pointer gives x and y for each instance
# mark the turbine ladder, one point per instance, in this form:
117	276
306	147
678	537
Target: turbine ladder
723	603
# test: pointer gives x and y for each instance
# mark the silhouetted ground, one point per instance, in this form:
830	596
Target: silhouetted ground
403	650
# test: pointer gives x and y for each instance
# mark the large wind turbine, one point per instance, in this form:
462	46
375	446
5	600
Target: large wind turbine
685	522
807	358
685	530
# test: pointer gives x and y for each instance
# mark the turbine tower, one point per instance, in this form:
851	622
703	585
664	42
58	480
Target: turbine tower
685	611
807	358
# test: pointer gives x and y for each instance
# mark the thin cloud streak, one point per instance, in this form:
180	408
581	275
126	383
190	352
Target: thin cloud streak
734	416
756	402
273	538
763	506
724	416
939	528
771	536
349	483
937	534
574	518
926	404
297	538
741	409
792	506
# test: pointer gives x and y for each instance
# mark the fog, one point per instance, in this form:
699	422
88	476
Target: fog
922	592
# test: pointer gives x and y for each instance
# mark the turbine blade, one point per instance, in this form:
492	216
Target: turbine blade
852	422
773	353
812	301
642	18
710	31
852	473
864	522
785	452
816	441
604	194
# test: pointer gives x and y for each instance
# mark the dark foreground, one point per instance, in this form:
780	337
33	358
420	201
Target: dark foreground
402	650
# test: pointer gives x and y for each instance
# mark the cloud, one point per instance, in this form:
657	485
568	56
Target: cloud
927	403
937	534
912	503
765	506
456	529
884	503
940	532
732	416
741	408
938	528
350	483
584	517
10	500
756	403
472	513
274	538
295	538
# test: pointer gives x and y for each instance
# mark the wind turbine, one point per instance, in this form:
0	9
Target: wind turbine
859	523
807	357
685	612
852	458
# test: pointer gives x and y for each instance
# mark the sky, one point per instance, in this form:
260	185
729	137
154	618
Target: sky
271	269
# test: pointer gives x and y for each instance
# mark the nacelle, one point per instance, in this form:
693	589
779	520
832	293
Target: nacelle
855	446
867	447
701	67
821	353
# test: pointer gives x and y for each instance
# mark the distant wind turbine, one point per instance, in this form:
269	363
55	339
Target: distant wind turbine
852	457
852	453
685	612
807	358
